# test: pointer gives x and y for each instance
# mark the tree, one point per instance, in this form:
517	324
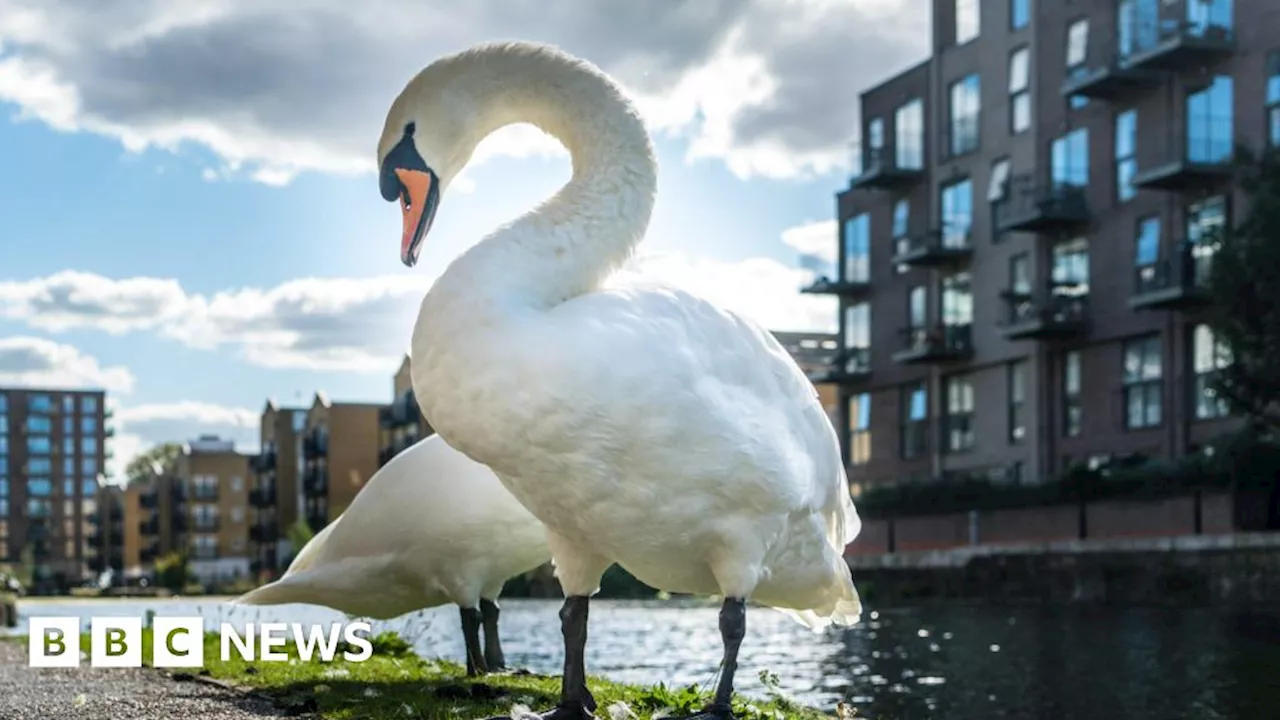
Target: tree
299	534
172	571
1244	296
147	467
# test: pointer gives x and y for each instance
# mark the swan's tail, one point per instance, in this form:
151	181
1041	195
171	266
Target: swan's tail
844	607
288	589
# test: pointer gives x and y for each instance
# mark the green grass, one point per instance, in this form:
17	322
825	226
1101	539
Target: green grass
395	683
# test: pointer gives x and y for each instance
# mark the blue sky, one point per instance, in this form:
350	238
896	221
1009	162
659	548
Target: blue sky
197	240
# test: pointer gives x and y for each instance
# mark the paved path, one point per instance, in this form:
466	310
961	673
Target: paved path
113	694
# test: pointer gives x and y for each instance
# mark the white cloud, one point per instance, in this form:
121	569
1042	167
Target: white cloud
141	427
815	239
768	86
38	362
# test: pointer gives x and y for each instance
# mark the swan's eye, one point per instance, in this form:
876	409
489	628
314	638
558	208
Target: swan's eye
404	200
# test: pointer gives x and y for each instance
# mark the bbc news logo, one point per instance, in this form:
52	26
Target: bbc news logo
179	642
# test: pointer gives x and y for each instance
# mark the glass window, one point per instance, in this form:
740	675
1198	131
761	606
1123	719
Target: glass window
966	110
860	429
1020	90
39	403
4	487
39	424
89	404
968	20
89	487
1209	356
1019	14
4	403
69	446
68	466
1210	122
1126	162
1070	158
68	404
89	425
915	421
89	466
39	445
1017	401
1071	264
39	487
1071	405
901	217
1077	43
1020	274
69	488
1147	244
957	213
857	326
875	135
1203	15
39	466
959	414
1143	383
908	127
857	248
917	307
957	300
89	445
68	426
998	187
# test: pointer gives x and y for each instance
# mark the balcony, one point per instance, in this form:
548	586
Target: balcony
1176	283
1041	208
881	169
1203	162
206	524
150	526
204	493
933	249
317	519
1114	81
178	523
315	444
402	411
264	533
1050	316
1179	45
852	289
263	462
935	344
314	480
262	496
149	499
850	367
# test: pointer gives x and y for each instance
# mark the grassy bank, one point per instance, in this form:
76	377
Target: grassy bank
395	683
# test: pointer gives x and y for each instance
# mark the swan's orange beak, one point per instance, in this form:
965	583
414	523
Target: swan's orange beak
419	196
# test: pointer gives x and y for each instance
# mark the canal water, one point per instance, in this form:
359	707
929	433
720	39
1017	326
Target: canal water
951	662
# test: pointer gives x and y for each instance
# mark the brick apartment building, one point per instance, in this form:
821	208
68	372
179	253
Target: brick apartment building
339	455
275	492
401	423
1023	226
53	450
214	477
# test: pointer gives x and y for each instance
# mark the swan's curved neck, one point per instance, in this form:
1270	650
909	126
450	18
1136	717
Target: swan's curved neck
572	242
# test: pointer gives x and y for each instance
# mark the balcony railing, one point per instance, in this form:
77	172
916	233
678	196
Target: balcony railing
264	461
851	366
1051	315
880	168
262	496
205	524
150	526
1179	282
1041	207
935	344
314	480
1111	81
402	411
1203	161
1174	44
205	493
264	532
315	444
933	249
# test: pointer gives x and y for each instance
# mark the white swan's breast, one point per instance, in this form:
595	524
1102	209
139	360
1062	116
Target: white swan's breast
648	422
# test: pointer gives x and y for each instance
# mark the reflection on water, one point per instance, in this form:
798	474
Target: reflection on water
958	663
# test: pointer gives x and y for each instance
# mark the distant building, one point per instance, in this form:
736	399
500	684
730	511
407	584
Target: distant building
53	451
816	353
401	422
213	475
339	455
275	495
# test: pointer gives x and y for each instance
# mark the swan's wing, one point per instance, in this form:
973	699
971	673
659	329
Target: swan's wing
730	383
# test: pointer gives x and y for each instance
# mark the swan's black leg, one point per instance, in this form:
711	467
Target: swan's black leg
471	621
493	656
576	702
733	627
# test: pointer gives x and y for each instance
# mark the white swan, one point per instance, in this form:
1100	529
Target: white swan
642	426
430	527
